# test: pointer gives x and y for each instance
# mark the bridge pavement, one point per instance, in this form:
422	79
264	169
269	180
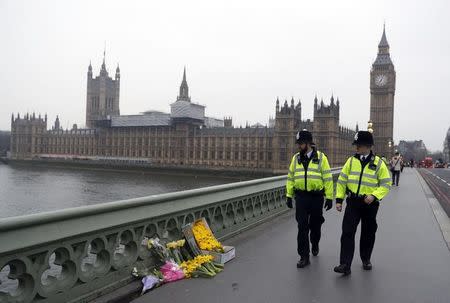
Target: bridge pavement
411	261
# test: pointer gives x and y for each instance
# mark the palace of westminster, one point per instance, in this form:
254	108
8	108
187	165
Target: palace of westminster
185	137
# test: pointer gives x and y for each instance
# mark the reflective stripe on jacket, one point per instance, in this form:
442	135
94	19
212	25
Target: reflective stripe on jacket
374	180
317	176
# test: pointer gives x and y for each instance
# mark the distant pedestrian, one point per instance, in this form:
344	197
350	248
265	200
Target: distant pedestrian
365	180
396	167
309	181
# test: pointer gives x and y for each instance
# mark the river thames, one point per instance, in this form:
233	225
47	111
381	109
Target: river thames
27	189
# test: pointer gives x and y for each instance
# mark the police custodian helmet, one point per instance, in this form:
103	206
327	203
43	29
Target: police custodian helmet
304	136
363	137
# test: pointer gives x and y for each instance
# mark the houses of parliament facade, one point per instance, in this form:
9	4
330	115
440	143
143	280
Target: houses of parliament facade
186	138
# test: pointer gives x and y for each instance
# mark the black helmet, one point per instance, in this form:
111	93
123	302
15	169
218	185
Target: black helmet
363	137
304	136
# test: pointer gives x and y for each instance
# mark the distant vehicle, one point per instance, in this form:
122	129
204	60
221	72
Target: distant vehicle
428	162
439	164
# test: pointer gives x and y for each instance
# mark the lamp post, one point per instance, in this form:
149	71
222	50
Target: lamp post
370	126
390	144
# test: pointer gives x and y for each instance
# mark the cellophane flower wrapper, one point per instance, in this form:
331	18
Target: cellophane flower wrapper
159	250
149	282
171	272
140	271
174	248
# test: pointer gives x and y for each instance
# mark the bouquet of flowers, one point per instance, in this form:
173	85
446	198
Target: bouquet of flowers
178	263
150	279
205	238
201	266
174	249
159	250
198	266
171	272
149	282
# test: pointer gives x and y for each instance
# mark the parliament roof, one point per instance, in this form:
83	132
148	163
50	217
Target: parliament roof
148	119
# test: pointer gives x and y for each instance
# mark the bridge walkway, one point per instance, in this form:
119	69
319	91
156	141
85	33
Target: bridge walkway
411	261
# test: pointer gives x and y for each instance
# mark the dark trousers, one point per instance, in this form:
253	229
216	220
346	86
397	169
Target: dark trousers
395	177
308	213
356	211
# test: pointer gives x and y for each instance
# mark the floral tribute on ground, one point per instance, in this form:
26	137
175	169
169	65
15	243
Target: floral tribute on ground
182	259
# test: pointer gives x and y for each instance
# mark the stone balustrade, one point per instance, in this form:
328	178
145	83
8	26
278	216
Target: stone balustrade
77	254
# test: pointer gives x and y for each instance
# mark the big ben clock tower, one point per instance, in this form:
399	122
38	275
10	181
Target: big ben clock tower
382	91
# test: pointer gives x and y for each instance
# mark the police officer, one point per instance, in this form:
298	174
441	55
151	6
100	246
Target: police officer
309	179
365	180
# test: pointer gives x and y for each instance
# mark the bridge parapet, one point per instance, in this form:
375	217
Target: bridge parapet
77	254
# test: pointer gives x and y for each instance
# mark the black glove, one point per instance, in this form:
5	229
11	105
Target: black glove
289	202
328	204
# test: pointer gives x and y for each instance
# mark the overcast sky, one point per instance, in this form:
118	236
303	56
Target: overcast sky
240	55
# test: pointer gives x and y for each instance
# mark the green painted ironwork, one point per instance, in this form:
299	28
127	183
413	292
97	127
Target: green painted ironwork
78	254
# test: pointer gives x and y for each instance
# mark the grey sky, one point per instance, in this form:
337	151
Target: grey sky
240	55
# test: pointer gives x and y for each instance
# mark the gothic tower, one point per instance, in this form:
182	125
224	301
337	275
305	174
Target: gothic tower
28	136
382	91
288	121
326	127
184	89
102	99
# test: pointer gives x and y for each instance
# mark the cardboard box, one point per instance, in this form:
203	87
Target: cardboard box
222	258
229	251
190	239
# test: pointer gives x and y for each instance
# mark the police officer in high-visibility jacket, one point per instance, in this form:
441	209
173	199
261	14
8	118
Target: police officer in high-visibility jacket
365	179
309	180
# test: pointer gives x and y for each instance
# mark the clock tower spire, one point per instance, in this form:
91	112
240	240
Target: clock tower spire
382	92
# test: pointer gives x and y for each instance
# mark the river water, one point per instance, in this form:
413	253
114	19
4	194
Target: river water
27	189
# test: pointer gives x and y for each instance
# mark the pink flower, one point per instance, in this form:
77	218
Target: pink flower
171	272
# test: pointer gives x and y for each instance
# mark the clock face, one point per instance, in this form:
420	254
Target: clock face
381	80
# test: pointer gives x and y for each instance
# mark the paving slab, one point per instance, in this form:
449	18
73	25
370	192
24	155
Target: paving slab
411	261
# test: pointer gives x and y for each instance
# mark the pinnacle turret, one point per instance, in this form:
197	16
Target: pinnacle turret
383	41
184	89
103	71
117	72
383	57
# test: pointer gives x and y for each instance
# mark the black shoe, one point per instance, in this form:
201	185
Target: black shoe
343	269
367	265
303	263
315	249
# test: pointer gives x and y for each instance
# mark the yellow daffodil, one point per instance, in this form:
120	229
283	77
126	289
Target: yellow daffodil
205	237
172	245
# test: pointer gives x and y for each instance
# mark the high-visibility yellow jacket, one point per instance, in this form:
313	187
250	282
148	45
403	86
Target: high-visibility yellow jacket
374	179
316	177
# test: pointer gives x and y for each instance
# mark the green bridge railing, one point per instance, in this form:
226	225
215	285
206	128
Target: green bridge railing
78	254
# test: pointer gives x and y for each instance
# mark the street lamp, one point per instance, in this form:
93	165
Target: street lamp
370	126
390	145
